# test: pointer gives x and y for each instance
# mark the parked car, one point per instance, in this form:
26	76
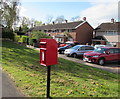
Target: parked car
72	42
78	50
62	49
68	42
102	55
98	46
62	45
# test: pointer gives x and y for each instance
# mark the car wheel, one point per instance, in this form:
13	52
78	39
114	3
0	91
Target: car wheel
60	52
67	55
101	61
74	55
118	62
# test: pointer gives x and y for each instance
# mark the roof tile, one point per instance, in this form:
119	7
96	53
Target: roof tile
108	26
70	25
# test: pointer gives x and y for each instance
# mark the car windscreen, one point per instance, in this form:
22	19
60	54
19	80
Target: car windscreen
75	47
100	50
67	46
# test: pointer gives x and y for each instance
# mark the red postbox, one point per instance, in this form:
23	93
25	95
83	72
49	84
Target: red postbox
48	52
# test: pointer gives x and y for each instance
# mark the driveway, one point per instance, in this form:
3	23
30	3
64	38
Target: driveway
111	67
7	87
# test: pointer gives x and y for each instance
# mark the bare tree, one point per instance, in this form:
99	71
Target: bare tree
76	18
60	19
25	21
49	18
37	23
34	22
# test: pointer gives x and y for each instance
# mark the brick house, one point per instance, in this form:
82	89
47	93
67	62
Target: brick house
107	33
79	31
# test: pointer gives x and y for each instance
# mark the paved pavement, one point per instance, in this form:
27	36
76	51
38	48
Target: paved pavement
7	87
111	67
0	83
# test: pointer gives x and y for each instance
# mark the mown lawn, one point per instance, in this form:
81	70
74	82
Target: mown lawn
68	79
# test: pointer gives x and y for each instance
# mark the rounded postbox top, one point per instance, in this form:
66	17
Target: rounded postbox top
48	52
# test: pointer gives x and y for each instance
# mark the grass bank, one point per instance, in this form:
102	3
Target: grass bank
68	79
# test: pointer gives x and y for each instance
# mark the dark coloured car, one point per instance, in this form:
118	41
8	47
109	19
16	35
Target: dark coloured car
62	49
103	55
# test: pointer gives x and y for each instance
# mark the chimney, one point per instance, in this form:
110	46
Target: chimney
112	20
53	22
84	18
66	21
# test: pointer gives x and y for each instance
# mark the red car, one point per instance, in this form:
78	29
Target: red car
102	55
62	45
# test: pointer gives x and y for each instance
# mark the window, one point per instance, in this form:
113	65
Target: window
110	33
100	50
45	31
63	30
116	50
89	48
71	30
82	48
49	31
75	47
111	51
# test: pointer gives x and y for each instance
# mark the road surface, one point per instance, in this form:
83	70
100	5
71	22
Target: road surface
7	86
111	67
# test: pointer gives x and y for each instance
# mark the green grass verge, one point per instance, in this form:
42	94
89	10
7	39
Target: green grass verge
68	79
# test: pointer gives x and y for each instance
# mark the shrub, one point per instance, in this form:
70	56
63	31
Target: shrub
37	35
31	41
24	39
7	33
21	39
17	38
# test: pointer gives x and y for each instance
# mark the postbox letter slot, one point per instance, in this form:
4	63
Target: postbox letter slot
42	48
43	56
42	42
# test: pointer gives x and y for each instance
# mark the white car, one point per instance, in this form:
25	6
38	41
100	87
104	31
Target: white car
98	46
78	50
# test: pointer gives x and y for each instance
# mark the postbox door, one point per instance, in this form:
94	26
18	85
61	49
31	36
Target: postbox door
43	57
43	53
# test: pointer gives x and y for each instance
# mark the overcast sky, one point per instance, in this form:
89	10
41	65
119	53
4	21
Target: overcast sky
95	12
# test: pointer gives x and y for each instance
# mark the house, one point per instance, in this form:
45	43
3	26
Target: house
79	31
107	33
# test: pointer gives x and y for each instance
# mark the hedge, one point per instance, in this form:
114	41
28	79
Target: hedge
21	39
7	33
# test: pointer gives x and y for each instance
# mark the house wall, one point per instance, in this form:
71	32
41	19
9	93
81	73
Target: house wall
113	39
54	34
118	44
101	33
73	34
84	34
